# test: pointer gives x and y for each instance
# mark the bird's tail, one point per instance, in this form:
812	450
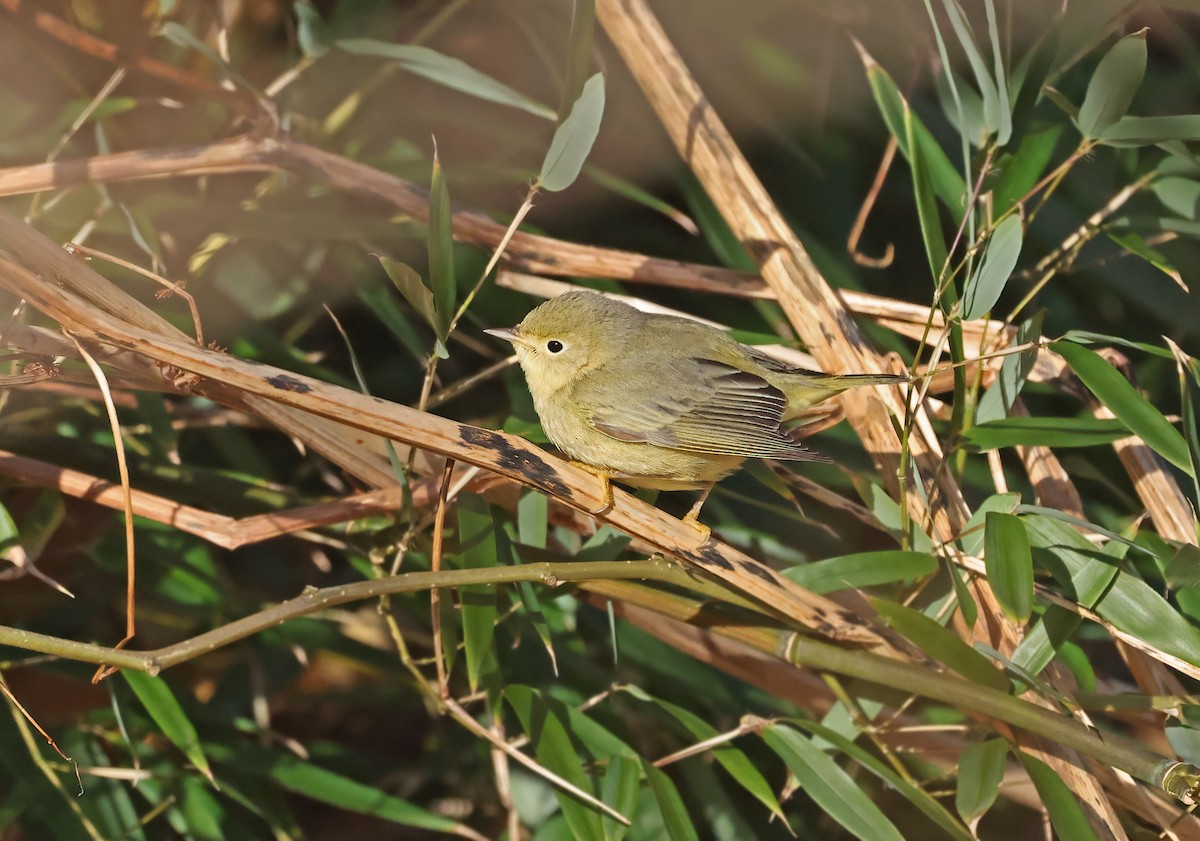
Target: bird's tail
807	390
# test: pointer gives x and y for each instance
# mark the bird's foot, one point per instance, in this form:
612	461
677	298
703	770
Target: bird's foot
605	477
693	520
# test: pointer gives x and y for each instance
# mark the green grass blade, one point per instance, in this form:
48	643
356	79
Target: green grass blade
864	569
1066	815
168	714
449	72
941	644
477	540
670	804
1134	410
829	786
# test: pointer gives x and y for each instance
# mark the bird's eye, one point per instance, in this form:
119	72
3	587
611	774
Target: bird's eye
554	346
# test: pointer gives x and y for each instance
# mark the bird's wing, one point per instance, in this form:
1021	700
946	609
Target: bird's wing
697	405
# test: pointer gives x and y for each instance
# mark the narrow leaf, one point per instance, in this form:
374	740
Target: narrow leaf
409	284
946	179
923	800
1009	564
1066	815
619	789
574	138
983	288
1000	396
449	72
579	53
941	644
183	37
311	31
670	804
441	249
829	786
865	569
1113	85
1115	392
304	778
552	743
477	550
1144	131
167	713
980	771
733	760
927	209
1130	604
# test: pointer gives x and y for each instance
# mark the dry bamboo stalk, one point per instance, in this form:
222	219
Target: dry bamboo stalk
46	288
821	321
227	532
1050	480
538	254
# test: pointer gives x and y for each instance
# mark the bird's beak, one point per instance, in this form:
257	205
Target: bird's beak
509	334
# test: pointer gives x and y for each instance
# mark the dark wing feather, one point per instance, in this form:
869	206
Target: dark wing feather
702	406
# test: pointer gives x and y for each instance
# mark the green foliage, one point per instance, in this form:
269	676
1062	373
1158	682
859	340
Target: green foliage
1052	182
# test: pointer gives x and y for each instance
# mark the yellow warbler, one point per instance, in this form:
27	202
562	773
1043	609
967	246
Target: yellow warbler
660	401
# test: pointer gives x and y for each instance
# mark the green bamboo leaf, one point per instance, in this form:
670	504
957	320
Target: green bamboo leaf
946	179
927	209
573	139
311	31
619	789
409	284
181	36
1045	432
983	288
865	569
1147	131
1087	337
448	72
1021	170
941	644
168	714
1066	815
923	800
324	786
1184	741
1130	604
1178	194
477	539
1113	85
670	805
1030	77
973	531
632	192
1135	244
1009	565
1115	392
551	742
980	772
441	249
734	761
1000	396
997	119
579	53
829	786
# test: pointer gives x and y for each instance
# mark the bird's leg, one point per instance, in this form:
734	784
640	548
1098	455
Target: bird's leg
604	476
692	517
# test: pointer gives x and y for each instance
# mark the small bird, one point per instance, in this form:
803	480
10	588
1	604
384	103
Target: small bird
660	401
